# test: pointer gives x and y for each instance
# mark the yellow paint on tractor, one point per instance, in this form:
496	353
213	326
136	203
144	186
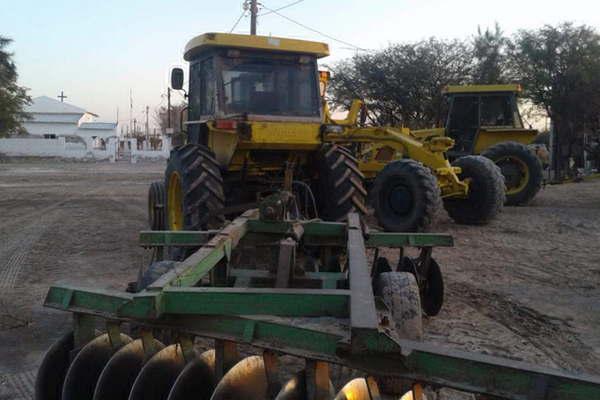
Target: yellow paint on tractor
253	42
487	137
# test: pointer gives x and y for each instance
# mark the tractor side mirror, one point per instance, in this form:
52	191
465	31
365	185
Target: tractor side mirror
177	78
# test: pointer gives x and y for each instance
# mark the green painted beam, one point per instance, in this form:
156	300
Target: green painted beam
190	271
102	302
256	301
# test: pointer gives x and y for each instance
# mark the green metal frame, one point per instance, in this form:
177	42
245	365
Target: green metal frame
359	340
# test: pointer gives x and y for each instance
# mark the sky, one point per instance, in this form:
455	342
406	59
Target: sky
99	51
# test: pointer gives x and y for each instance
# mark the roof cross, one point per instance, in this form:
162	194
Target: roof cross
62	97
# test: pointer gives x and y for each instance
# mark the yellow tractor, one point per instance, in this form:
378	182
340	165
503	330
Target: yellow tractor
257	122
485	119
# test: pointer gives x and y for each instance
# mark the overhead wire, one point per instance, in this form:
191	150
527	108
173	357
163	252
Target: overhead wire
238	20
312	29
280	8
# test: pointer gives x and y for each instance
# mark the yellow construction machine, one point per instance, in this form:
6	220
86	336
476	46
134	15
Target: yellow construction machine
485	119
256	117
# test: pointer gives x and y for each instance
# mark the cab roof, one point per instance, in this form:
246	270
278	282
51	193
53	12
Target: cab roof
229	40
450	89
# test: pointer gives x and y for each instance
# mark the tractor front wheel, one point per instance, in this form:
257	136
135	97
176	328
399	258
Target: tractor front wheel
486	192
521	168
405	197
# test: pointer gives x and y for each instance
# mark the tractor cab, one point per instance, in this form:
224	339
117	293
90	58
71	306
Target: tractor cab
482	115
253	78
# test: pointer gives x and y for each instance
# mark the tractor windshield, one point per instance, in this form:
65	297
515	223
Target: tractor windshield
285	86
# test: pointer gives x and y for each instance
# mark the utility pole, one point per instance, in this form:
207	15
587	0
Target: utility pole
168	107
147	126
253	16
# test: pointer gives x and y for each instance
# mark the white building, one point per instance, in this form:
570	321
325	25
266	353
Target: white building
52	119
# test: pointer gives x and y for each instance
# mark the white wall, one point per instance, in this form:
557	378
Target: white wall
39	147
45	128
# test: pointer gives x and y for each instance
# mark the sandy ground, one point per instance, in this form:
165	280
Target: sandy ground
526	286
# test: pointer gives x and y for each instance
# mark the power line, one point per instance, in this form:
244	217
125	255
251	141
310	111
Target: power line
238	21
313	30
280	8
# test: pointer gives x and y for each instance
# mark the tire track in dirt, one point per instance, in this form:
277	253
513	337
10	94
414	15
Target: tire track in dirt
551	336
19	386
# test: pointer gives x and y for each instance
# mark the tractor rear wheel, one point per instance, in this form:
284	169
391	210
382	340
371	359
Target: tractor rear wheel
194	191
486	192
338	185
521	168
405	197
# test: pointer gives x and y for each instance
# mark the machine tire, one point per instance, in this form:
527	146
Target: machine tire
201	188
486	192
338	187
509	155
400	293
414	184
156	206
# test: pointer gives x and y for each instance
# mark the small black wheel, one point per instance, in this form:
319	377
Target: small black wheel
522	170
338	184
405	197
432	290
486	195
156	206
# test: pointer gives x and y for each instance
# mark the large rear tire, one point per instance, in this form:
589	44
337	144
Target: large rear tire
486	192
194	192
338	185
405	197
521	168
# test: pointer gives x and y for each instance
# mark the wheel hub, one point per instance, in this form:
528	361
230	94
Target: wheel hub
400	199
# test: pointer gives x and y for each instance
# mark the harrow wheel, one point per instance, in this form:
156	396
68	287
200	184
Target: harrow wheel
146	369
87	366
53	370
120	372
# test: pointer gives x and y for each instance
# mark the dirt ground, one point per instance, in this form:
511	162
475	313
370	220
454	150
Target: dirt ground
526	286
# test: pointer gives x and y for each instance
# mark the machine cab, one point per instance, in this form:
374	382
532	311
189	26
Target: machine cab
478	114
253	78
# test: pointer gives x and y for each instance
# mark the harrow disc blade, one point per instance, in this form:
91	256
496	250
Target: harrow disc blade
295	388
117	378
357	389
54	367
85	370
197	381
246	380
156	378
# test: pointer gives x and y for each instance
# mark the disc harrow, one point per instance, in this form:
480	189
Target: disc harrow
145	345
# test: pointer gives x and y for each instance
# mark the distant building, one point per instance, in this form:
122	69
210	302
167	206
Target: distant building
52	119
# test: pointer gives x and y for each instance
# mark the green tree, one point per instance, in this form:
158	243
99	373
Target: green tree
401	85
559	68
489	56
12	96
